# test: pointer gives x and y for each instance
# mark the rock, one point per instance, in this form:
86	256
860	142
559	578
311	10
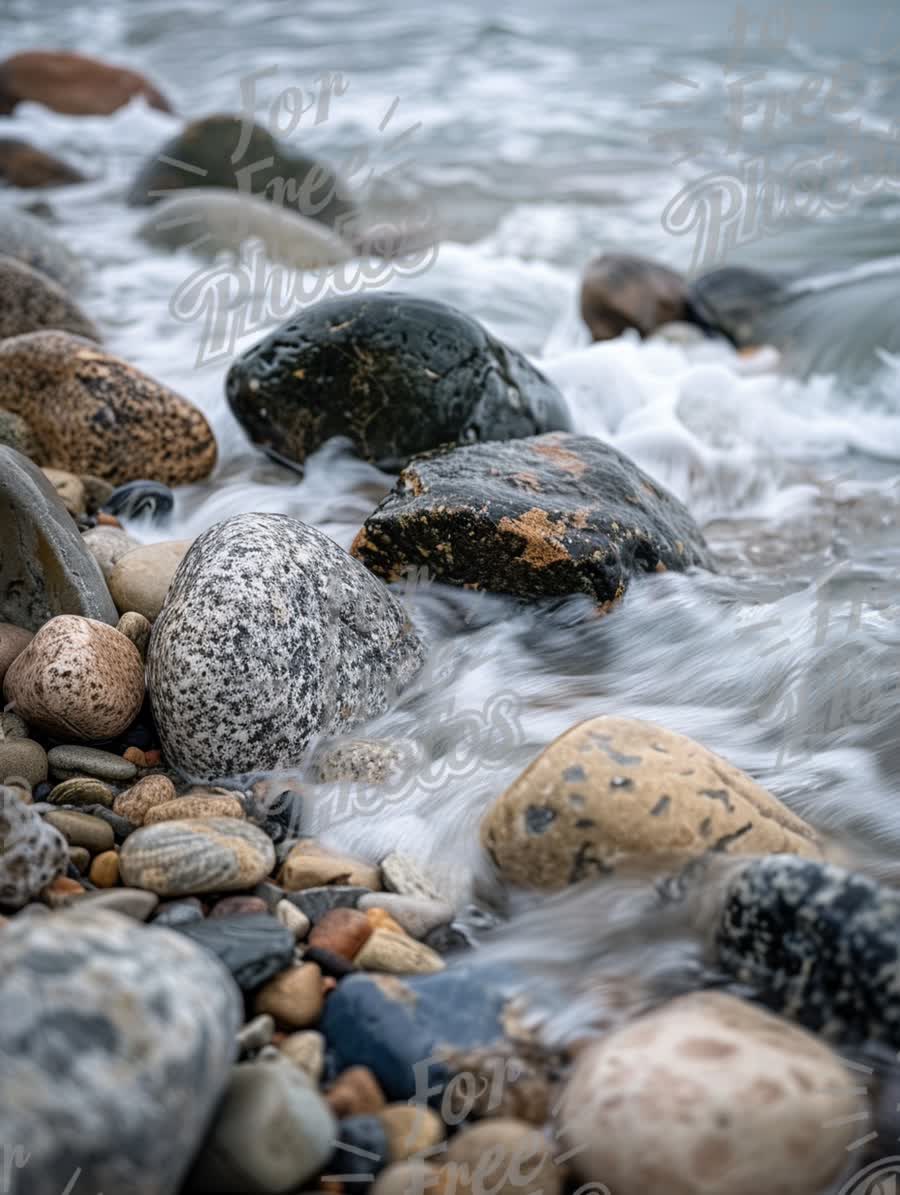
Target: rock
417	915
253	947
77	677
411	1129
611	789
72	83
507	1079
45	568
61	892
212	220
398	1028
397	954
130	902
131	1049
194	807
141	579
31	241
80	859
135	627
294	997
360	1151
140	499
369	761
186	858
735	301
24	165
104	871
238	906
710	1094
271	1135
22	759
449	382
621	290
226	151
405	876
342	931
15	433
306	1050
506	1157
381	919
32	853
97	491
82	790
408	1178
31	302
136	802
12	726
820	943
256	1034
311	865
82	829
91	761
13	641
70	489
108	545
355	1092
176	913
271	634
94	413
546	516
315	903
291	917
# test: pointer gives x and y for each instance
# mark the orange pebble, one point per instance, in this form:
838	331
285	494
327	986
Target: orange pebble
105	869
61	892
152	759
105	520
381	919
136	756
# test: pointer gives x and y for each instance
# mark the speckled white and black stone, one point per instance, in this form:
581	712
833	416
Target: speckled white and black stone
271	634
116	1041
819	943
32	852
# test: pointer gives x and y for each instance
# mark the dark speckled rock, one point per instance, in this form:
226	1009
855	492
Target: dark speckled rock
820	944
252	947
31	302
271	634
620	290
735	301
94	413
115	1043
539	517
32	241
396	374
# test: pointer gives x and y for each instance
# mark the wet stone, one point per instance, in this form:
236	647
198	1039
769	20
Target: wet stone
185	858
90	761
254	947
316	902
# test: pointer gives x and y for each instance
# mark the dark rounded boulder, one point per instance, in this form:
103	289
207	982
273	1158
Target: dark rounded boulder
395	374
540	517
735	301
622	290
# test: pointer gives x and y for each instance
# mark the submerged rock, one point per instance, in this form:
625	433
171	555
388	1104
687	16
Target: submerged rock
24	165
621	290
32	241
72	83
544	516
93	413
32	302
45	569
270	635
396	374
735	301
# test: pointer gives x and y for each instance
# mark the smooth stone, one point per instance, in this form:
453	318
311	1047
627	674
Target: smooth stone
104	871
332	965
45	569
309	864
293	919
238	906
23	759
612	789
306	1050
120	827
406	876
270	635
30	240
75	84
254	947
820	943
130	902
139	800
114	1038
505	1157
397	954
140	499
32	302
102	765
176	913
748	1102
141	580
361	1149
83	790
411	1129
24	165
449	381
341	931
540	517
417	915
398	1027
187	858
82	829
32	853
194	807
77	677
622	290
314	903
70	488
108	545
255	1034
355	1092
294	997
80	859
94	413
137	628
13	641
15	433
735	301
213	220
272	1133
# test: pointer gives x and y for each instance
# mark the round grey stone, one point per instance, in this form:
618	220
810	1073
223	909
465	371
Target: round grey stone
130	902
418	915
108	545
24	759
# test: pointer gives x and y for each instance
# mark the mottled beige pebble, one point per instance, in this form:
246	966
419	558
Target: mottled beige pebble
77	678
22	759
82	790
108	545
505	1157
30	302
293	919
188	858
136	802
82	829
411	1129
616	788
194	807
293	998
13	641
306	1049
410	1178
397	954
70	489
141	579
311	865
135	627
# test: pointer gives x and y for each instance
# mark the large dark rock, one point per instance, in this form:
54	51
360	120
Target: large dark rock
253	947
735	301
263	166
396	374
621	290
549	515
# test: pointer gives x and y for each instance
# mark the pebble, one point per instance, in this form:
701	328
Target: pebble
140	499
90	761
311	865
622	290
108	545
186	858
417	915
254	947
46	569
617	788
70	488
82	829
408	1178
238	906
294	997
306	1050
80	859
13	641
302	640
355	1092
707	1094
12	726
130	902
135	627
32	853
120	827
32	302
361	1151
314	903
405	876
175	913
77	677
31	240
83	790
411	1129
104	871
195	808
23	759
255	1034
333	966
15	433
397	954
75	84
341	931
293	919
272	1133
141	579
61	892
96	490
148	794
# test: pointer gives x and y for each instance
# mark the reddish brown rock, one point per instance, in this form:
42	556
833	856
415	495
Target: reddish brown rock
136	802
355	1092
13	641
239	906
293	998
72	83
620	290
342	931
26	166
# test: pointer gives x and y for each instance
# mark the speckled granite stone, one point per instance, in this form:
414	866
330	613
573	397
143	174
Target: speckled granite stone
271	634
32	853
32	241
32	301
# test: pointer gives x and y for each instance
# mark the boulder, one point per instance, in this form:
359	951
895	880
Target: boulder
269	636
621	290
24	165
72	83
32	241
396	374
32	302
93	413
538	517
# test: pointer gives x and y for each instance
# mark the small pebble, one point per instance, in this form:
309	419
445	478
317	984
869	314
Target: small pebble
355	1092
361	1150
253	947
311	865
90	761
104	871
108	545
12	726
238	906
397	954
341	931
173	913
406	877
130	902
306	1049
83	790
291	917
333	966
141	579
70	489
316	902
194	807
416	914
135	626
61	892
411	1129
80	858
293	998
82	829
23	759
136	802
